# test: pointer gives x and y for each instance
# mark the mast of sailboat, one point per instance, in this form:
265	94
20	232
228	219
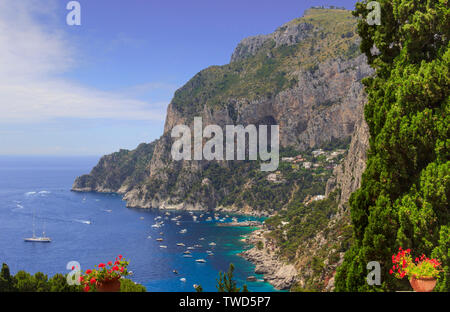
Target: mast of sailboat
34	222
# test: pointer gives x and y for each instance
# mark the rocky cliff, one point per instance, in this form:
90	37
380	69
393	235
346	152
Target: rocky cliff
347	176
305	77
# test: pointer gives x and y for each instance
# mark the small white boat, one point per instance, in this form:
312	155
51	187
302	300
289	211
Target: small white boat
201	238
212	244
183	279
187	256
162	246
200	260
142	218
178	223
198	246
183	231
181	244
190	248
159	239
38	239
187	252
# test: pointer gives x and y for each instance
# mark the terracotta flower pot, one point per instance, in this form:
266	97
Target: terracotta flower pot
423	284
112	285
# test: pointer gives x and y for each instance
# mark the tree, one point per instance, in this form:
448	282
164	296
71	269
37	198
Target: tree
225	283
58	283
403	199
6	280
127	285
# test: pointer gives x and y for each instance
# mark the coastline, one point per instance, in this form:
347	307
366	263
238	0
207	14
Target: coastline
275	271
278	273
131	202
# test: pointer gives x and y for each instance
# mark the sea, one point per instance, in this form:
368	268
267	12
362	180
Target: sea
91	228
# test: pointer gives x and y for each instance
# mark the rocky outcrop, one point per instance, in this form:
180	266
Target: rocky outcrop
288	34
347	176
276	271
118	172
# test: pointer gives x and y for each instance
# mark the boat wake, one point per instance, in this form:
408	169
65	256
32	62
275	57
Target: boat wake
42	193
83	221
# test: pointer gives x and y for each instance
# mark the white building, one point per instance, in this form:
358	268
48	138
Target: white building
318	152
272	177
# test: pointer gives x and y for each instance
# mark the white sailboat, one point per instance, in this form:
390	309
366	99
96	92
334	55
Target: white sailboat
37	239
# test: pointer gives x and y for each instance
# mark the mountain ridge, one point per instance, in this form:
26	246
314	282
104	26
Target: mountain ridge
306	77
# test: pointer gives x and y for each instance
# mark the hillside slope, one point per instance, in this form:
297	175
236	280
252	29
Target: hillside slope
305	77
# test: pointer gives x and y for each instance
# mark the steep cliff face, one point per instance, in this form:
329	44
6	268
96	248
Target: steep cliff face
347	176
305	77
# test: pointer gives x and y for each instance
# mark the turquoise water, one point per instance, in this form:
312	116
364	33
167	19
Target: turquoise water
91	228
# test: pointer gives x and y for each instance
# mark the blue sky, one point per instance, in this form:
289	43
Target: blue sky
105	85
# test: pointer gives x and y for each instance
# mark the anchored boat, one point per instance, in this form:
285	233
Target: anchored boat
37	239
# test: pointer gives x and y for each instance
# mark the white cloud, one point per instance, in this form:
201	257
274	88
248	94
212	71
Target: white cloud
33	55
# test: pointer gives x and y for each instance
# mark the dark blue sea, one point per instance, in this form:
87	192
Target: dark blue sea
91	228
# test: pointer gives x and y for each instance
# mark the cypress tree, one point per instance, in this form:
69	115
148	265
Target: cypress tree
403	199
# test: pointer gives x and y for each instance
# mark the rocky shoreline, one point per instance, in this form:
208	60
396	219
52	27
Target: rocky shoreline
278	273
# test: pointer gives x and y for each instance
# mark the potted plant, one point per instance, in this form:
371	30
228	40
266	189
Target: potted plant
422	273
106	277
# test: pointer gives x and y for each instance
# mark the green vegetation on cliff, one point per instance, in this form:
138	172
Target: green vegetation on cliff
403	199
117	169
273	68
241	184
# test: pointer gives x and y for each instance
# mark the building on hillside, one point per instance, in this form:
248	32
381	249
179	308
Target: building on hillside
309	200
318	152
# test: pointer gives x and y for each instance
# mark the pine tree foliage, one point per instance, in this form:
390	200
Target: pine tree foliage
225	283
403	199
